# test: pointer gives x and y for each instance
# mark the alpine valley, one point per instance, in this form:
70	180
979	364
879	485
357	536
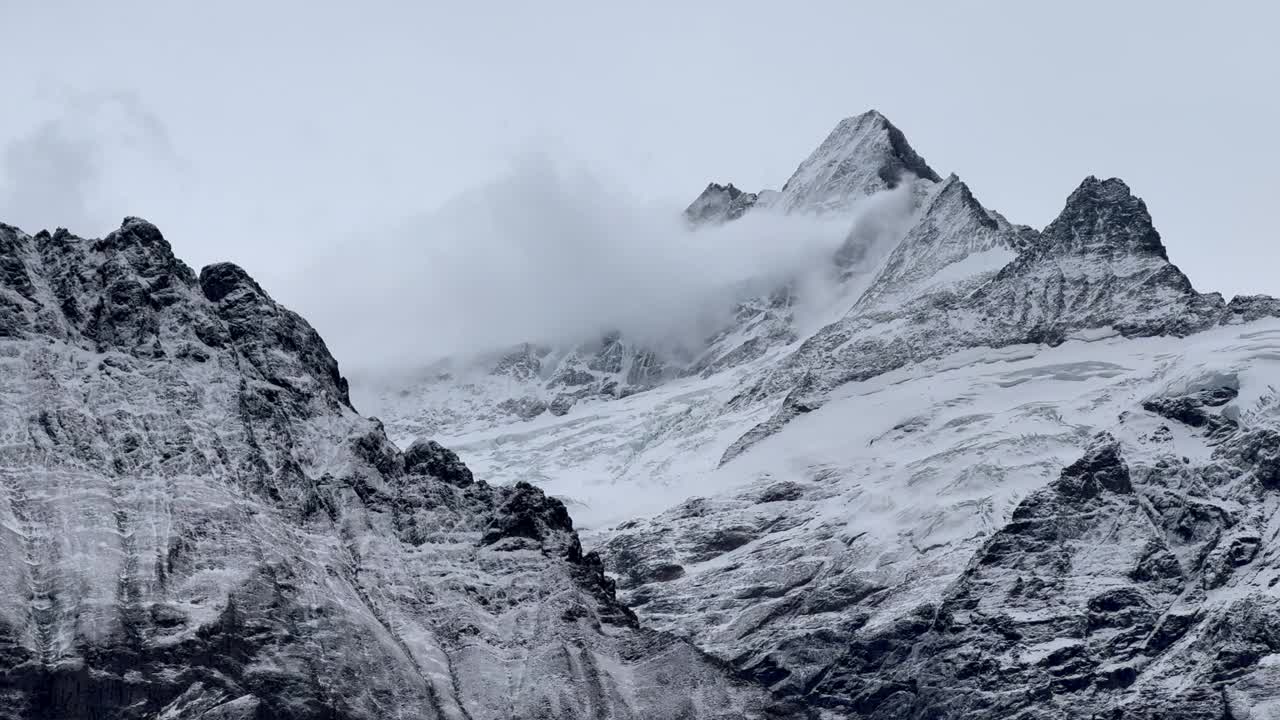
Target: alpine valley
997	472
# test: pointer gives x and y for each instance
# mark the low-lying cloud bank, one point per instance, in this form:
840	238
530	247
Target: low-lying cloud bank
554	255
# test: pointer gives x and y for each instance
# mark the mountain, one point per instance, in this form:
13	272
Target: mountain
1013	473
999	472
195	523
863	155
1099	265
720	203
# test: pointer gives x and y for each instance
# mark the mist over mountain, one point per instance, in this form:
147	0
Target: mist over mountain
554	254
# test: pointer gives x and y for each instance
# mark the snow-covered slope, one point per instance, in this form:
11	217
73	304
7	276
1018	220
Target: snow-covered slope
1016	473
871	511
194	523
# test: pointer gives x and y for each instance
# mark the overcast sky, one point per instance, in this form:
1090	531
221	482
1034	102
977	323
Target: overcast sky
259	132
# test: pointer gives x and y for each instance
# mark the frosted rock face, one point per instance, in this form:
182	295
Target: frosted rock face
1114	590
864	154
194	523
718	204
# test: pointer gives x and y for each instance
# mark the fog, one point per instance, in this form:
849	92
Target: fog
555	253
91	154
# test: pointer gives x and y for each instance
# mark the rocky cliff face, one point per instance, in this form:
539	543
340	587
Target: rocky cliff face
194	523
720	203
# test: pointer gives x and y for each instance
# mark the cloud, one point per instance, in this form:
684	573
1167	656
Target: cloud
553	254
48	177
75	168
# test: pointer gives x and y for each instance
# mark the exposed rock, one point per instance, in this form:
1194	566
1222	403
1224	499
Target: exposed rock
561	404
1247	308
528	513
1093	652
1196	409
718	204
525	408
864	154
427	457
523	363
258	328
1100	469
781	492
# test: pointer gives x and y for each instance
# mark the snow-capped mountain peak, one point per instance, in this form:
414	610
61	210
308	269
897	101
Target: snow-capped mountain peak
1104	217
863	154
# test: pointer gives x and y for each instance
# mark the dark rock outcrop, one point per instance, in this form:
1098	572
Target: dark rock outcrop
428	457
719	204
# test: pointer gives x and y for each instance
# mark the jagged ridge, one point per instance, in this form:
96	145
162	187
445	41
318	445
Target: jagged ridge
1099	265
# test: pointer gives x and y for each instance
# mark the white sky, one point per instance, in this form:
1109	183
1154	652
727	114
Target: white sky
257	132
